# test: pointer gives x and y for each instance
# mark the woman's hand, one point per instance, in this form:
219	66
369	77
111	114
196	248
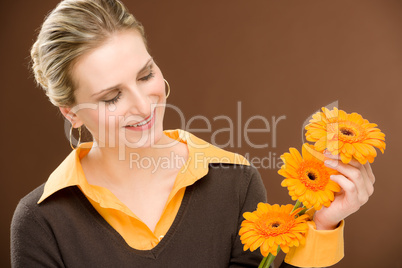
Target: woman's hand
356	182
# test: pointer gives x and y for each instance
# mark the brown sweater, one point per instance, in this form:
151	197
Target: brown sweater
66	231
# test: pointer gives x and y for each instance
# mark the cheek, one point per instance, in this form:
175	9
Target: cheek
157	87
92	119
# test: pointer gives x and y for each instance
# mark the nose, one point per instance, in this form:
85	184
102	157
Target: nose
139	102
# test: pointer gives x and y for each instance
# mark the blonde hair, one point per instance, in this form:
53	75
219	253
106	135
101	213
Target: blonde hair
73	28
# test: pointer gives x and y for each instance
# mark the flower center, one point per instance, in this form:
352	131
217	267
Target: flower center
313	175
275	224
347	131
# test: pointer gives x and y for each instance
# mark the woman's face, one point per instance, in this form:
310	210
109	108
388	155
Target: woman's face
119	86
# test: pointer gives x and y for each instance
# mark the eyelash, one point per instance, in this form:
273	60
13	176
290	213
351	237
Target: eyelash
149	76
115	99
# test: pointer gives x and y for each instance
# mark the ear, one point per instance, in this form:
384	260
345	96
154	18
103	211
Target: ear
72	117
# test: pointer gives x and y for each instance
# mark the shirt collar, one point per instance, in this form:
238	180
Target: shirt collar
201	153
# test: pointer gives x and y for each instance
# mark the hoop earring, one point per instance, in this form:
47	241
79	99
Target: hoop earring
168	93
79	137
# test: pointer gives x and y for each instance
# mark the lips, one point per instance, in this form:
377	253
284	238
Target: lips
143	122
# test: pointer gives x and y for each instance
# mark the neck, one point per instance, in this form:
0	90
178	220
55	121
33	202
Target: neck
133	163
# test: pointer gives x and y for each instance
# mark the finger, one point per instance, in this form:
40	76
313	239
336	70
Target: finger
355	163
369	171
352	162
327	154
363	186
348	170
368	179
349	190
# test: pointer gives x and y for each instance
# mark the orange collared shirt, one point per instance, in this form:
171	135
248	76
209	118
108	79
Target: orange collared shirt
135	232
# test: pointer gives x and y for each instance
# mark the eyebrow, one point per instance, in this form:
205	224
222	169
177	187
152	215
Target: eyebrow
113	87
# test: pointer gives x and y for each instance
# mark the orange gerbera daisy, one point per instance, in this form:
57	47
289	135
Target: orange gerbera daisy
349	135
271	226
307	178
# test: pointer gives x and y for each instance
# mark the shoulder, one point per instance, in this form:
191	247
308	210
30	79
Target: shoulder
34	228
232	183
226	169
34	195
29	202
26	219
29	213
240	173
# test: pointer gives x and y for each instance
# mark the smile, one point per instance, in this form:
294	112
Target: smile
146	121
145	124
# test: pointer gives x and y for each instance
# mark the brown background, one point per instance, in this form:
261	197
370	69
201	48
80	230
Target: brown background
276	57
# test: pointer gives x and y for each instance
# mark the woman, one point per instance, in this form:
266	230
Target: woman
107	205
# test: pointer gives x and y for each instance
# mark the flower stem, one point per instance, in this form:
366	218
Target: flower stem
303	211
297	205
267	261
264	260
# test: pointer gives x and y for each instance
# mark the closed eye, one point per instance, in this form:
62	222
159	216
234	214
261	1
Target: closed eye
118	96
115	99
149	76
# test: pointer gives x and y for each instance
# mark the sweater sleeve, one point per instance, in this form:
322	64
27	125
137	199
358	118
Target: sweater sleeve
255	193
32	244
